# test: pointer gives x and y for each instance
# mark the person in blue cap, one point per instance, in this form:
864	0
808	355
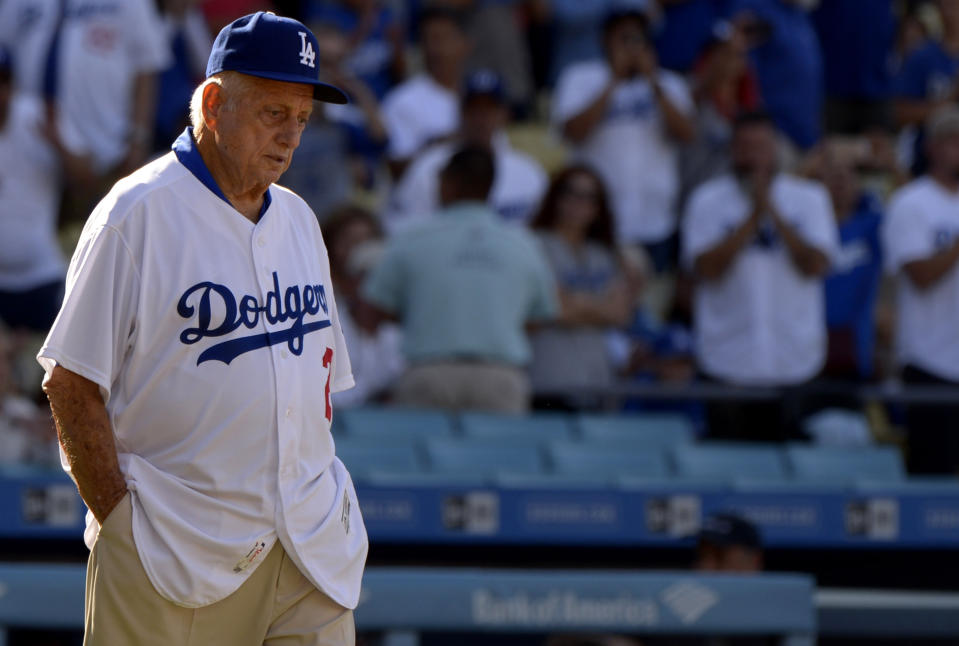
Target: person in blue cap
190	371
727	542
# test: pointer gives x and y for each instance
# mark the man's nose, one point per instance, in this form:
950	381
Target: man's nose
290	132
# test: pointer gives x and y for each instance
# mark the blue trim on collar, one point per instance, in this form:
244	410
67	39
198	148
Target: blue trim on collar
186	152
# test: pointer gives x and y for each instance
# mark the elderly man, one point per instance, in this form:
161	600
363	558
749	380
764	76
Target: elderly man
190	372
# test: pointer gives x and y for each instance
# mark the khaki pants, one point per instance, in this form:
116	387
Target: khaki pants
275	606
496	388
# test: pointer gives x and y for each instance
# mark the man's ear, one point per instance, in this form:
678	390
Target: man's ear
212	104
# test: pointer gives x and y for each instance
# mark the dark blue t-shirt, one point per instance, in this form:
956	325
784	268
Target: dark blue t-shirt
856	37
684	31
928	73
852	288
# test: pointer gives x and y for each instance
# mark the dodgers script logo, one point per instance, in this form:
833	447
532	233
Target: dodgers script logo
294	304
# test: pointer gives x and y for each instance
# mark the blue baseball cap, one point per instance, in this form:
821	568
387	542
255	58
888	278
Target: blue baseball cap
272	47
484	82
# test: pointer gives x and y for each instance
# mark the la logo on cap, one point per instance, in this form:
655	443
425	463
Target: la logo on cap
307	55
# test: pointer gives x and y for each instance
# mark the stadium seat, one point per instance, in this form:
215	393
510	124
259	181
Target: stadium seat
584	461
486	458
405	423
361	457
647	430
536	429
385	478
728	462
845	465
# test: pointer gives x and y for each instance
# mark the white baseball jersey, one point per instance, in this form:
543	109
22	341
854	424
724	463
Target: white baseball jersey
630	146
416	112
923	219
29	199
518	185
101	46
216	344
763	322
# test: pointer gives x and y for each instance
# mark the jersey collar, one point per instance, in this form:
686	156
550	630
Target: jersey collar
186	151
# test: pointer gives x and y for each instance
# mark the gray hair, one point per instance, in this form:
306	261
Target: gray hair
234	86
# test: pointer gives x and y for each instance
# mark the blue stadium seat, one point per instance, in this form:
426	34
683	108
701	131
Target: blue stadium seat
406	423
646	430
581	460
845	465
727	462
362	456
532	429
481	457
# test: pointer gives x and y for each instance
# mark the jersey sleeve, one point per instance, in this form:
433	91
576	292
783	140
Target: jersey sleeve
577	87
821	232
342	368
906	233
96	324
701	228
677	91
147	46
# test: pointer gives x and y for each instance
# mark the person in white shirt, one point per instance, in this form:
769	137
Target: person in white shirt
519	183
96	61
190	372
625	116
425	108
759	242
920	236
34	166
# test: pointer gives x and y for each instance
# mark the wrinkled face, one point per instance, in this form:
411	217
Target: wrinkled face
578	204
260	128
731	558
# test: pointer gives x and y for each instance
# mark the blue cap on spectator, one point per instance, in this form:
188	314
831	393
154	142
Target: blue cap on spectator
272	47
484	82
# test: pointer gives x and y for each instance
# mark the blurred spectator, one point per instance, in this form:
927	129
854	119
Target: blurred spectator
729	543
375	39
342	147
190	42
724	86
684	30
519	181
857	73
26	433
499	45
219	13
575	229
33	162
760	242
355	242
577	30
921	241
853	286
463	287
624	116
789	64
929	80
97	63
425	108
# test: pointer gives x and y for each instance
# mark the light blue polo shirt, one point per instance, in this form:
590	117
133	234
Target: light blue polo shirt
464	285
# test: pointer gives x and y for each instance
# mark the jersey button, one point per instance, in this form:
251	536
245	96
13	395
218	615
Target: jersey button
261	241
284	354
289	412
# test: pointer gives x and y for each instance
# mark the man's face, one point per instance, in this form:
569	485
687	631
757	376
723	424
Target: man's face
728	558
443	44
261	131
754	150
944	155
483	116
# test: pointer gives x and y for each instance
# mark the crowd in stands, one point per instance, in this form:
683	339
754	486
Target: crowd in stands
529	201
